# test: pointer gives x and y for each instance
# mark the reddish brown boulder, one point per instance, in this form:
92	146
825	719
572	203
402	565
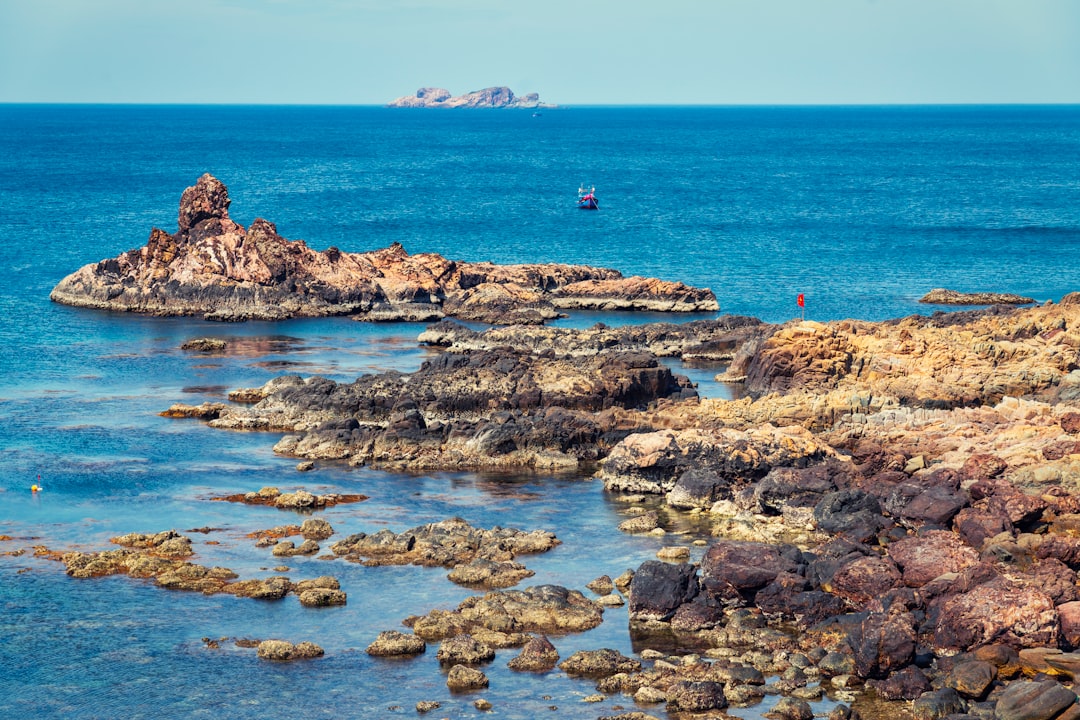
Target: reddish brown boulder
733	567
996	612
883	642
985	520
865	579
982	466
1070	422
925	557
1069	620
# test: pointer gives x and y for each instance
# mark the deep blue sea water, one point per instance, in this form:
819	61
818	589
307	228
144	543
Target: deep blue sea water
862	210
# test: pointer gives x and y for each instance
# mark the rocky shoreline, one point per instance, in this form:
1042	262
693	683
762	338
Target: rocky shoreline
895	506
216	268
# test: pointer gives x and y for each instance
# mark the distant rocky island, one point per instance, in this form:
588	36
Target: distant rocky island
492	97
214	267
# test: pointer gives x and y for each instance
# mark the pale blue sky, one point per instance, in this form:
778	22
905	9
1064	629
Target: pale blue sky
714	52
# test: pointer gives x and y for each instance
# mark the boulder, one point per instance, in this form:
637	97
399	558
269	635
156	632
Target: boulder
659	588
599	663
996	612
538	655
463	649
463	679
1033	700
699	696
391	643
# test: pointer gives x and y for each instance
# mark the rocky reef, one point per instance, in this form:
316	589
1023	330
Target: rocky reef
216	268
941	296
492	97
895	506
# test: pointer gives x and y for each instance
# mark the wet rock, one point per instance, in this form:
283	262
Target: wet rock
322	597
316	529
643	523
659	588
691	696
426	706
286	548
282	651
391	643
1029	700
464	649
205	411
463	679
205	345
599	663
165	544
787	708
543	609
301	500
673	553
538	655
448	543
485	573
601	585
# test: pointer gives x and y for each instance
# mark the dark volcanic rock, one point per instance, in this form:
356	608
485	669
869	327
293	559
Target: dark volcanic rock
494	408
659	588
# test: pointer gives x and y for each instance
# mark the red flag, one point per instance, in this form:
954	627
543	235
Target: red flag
800	300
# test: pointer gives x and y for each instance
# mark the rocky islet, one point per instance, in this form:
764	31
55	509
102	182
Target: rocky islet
215	268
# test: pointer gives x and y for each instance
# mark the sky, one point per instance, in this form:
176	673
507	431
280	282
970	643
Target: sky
585	52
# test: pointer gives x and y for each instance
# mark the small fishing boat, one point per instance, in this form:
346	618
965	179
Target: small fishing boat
586	199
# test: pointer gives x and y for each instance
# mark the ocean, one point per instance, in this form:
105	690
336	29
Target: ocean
860	209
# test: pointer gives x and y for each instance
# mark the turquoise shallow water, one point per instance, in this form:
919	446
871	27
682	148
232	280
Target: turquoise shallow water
861	209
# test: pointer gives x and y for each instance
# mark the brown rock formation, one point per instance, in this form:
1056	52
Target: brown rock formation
216	268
